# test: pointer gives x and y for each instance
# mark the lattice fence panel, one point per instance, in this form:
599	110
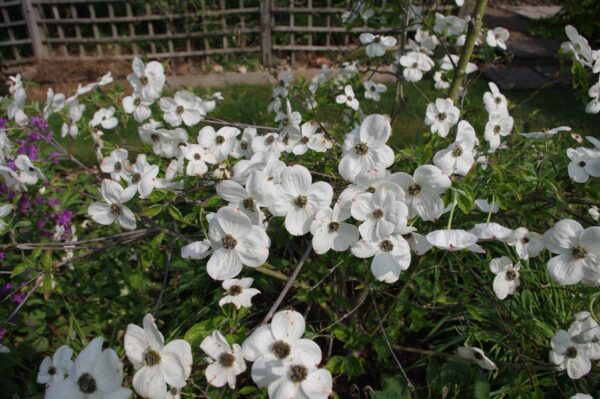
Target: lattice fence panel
121	29
15	44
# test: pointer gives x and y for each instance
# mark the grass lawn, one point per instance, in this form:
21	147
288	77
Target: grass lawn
532	110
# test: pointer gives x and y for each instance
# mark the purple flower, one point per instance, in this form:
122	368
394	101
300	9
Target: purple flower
3	332
5	288
64	218
18	298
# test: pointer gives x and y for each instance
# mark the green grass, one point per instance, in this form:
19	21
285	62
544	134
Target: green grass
532	110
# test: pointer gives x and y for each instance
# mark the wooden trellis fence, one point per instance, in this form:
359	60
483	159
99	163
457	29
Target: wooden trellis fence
33	30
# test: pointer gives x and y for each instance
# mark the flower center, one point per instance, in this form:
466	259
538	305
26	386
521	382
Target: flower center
249	203
298	373
333	227
442	116
498	100
301	201
285	121
510	275
229	242
136	178
197	156
155	137
173	391
220	139
361	148
497	129
118	166
373	88
226	359
180	109
151	357
477	356
137	102
144	80
457	151
571	353
377	214
244	145
52	370
115	209
370	189
234	290
579	252
281	349
87	383
525	240
270	140
304	140
386	246
581	163
414	189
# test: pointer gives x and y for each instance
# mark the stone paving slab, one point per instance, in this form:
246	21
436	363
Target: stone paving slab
515	77
534	12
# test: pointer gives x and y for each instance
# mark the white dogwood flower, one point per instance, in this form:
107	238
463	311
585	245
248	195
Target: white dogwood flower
112	210
568	354
373	90
423	191
476	355
381	214
459	157
527	243
585	162
220	143
330	232
578	252
495	102
95	374
235	241
225	362
454	240
506	281
376	44
57	367
308	138
498	125
156	364
105	117
181	108
348	98
143	176
497	37
197	157
147	80
391	256
491	231
116	164
365	147
140	108
415	65
441	116
238	292
300	199
299	378
258	193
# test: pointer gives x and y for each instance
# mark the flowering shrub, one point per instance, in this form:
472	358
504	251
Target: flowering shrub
316	257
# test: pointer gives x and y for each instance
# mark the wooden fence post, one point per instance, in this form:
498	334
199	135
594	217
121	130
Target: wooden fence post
30	15
266	38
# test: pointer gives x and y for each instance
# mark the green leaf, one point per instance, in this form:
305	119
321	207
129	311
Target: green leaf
153	210
481	387
393	388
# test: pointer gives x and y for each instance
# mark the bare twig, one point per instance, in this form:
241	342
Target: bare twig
288	285
164	283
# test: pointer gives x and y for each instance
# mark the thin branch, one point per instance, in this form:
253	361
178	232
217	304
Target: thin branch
288	284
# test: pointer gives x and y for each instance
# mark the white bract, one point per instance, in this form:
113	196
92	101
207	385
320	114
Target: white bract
156	364
495	102
220	143
225	362
498	125
116	164
585	163
441	116
459	157
454	240
197	157
140	108
415	65
381	214
506	281
238	292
